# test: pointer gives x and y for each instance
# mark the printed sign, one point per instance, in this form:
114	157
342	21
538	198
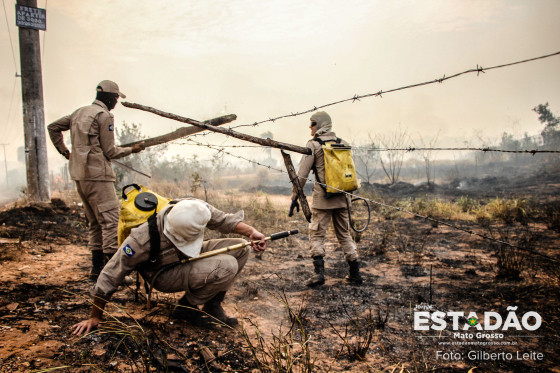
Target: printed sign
29	17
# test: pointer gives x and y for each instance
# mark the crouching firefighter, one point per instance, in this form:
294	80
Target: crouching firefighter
178	228
328	204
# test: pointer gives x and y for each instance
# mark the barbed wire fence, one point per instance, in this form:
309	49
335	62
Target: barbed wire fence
378	203
478	70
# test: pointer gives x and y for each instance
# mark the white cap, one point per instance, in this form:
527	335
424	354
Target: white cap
184	226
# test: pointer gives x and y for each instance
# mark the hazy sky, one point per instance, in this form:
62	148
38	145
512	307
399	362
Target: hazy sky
262	59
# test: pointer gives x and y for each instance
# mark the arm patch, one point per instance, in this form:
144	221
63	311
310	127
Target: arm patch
128	250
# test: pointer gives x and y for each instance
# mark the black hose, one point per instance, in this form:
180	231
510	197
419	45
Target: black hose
349	201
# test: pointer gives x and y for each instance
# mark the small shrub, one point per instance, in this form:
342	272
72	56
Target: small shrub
512	260
359	332
468	204
288	351
508	211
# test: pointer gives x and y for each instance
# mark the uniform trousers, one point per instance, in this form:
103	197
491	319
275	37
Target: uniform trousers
320	222
202	279
102	209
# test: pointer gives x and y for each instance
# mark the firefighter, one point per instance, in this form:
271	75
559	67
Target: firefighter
323	209
92	133
180	233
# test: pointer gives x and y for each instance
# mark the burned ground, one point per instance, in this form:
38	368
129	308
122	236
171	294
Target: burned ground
407	263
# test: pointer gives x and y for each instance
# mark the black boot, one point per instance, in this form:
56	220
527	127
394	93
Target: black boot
319	276
354	277
214	308
97	263
184	310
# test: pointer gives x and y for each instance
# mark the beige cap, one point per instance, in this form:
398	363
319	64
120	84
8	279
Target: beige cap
111	87
184	226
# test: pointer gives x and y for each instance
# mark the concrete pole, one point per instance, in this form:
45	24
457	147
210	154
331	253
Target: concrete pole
33	112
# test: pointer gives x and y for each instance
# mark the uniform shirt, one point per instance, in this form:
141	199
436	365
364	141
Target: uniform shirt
319	200
134	253
92	130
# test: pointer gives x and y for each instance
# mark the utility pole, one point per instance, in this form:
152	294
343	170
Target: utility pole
5	163
30	20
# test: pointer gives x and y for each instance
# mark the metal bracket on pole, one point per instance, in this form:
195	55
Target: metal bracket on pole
295	182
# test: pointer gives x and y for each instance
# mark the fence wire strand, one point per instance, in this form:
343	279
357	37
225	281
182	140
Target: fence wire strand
407	149
412	149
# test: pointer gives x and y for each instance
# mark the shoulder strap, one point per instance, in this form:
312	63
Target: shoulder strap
322	142
319	140
155	238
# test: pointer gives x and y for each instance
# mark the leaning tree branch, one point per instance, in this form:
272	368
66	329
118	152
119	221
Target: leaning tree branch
228	132
183	131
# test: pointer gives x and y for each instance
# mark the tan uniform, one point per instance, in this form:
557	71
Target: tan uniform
93	146
201	279
324	210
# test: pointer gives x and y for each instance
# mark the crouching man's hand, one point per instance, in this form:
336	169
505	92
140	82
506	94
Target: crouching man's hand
85	326
95	317
257	241
257	238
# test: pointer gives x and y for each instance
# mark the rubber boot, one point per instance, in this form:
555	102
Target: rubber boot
97	264
214	308
184	310
319	276
354	277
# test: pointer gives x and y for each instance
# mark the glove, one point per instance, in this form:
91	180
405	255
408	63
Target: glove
136	148
294	205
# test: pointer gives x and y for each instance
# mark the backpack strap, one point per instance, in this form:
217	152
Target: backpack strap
155	238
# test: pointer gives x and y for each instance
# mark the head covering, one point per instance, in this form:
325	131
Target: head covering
323	121
184	226
110	87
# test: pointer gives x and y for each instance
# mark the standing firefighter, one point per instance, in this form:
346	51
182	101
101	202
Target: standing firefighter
179	234
93	146
325	207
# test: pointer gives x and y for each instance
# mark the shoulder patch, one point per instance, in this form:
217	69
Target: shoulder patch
128	250
111	127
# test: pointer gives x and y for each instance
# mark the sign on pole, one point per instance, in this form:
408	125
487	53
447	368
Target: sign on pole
29	17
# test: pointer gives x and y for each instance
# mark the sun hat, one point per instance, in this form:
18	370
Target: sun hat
184	226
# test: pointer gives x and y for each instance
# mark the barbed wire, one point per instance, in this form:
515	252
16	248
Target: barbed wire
225	146
382	204
222	150
407	149
380	93
412	149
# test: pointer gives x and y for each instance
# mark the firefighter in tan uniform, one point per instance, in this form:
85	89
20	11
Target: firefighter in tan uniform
325	210
181	234
93	146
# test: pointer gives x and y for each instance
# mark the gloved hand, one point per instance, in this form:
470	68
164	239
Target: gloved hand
136	148
294	205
